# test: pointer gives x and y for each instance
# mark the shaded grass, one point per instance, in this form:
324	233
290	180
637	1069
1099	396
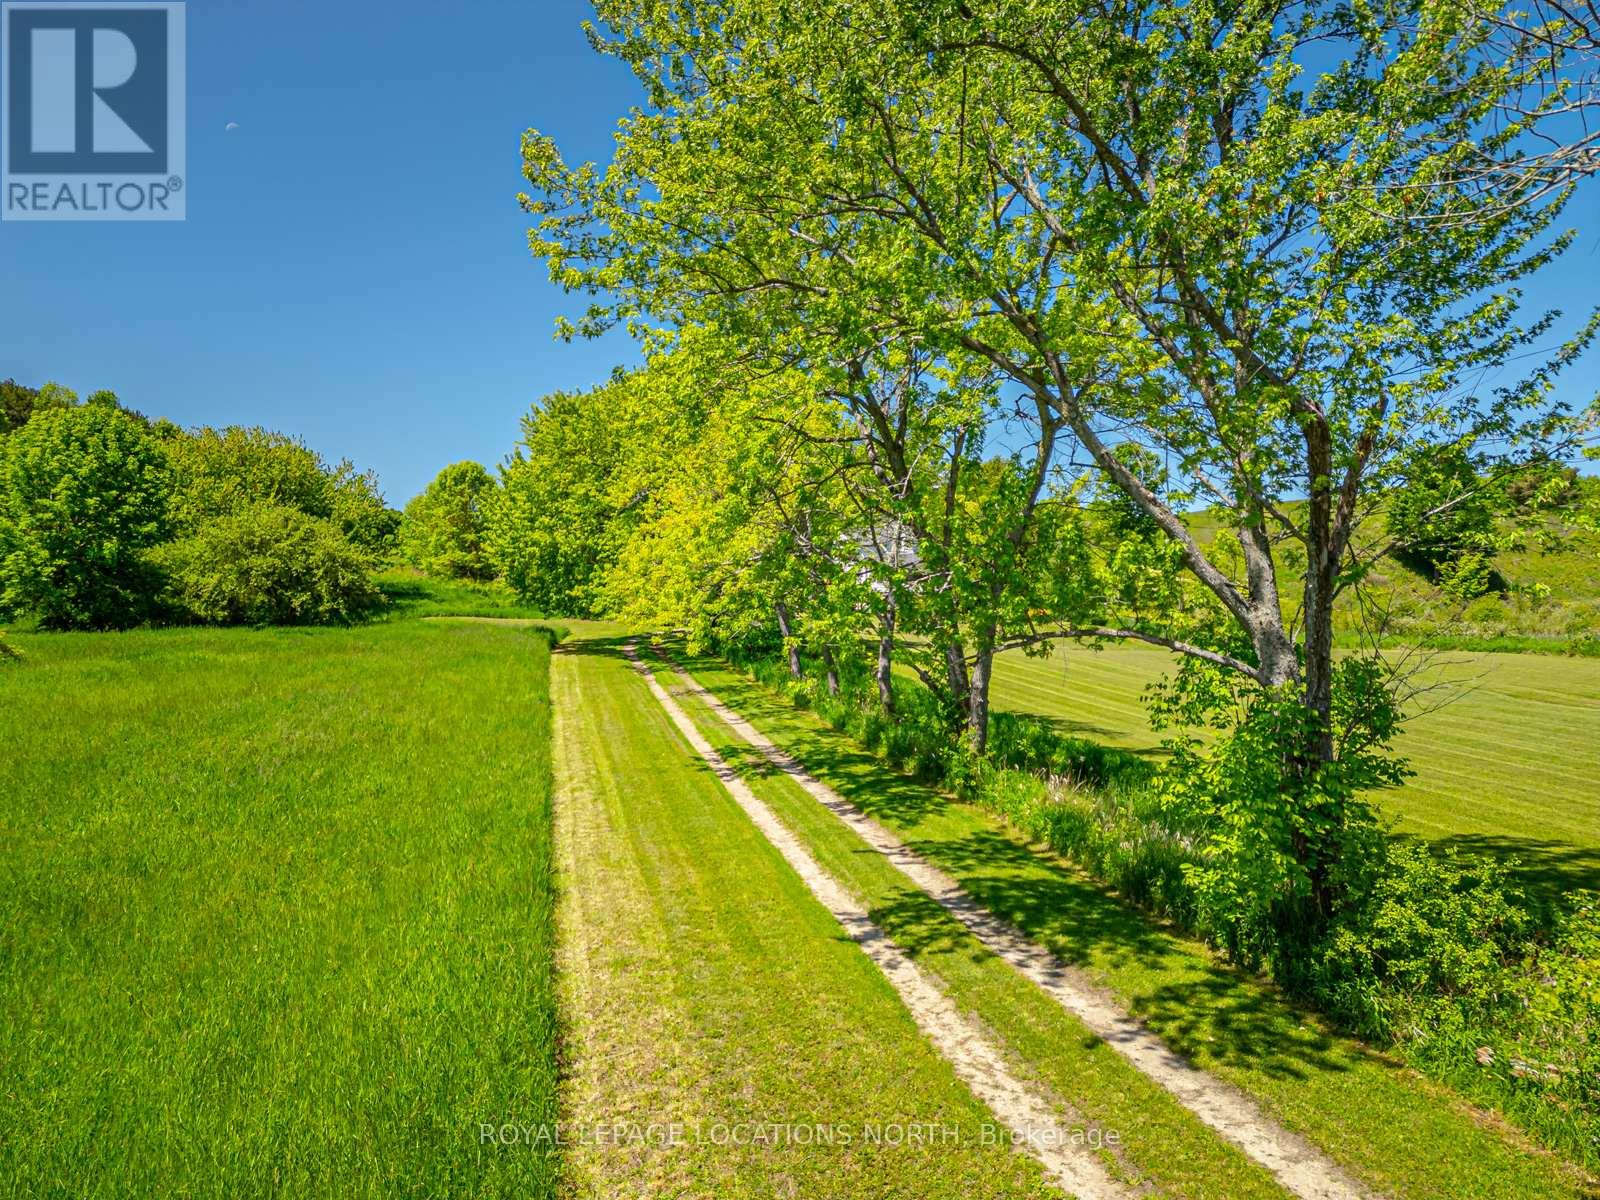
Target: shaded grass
276	912
413	594
1162	1145
708	988
1401	1133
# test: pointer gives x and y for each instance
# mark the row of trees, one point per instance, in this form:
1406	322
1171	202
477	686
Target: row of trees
108	519
956	312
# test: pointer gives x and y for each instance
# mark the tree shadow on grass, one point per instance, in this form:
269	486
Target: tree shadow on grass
1066	727
1547	870
856	774
1080	922
607	646
1218	1019
1204	1011
1200	1007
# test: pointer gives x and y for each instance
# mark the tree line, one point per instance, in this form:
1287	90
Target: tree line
109	519
954	313
980	326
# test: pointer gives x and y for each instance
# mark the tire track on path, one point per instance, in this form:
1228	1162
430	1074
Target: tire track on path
1299	1166
1032	1119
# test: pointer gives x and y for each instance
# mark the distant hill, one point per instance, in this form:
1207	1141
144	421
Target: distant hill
1549	601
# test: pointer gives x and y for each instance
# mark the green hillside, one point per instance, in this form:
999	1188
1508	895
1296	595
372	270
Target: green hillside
1547	598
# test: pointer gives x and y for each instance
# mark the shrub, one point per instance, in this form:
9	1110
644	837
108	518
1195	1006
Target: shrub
1434	931
1028	743
1486	611
1446	962
83	495
269	564
1555	1054
442	533
221	472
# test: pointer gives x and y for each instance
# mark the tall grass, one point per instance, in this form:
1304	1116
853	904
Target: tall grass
275	912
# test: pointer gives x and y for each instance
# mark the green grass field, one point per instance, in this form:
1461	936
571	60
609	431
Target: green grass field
278	917
275	912
411	594
1506	765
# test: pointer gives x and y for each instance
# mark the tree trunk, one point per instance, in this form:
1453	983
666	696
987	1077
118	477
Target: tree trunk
1322	554
833	670
1323	551
885	672
955	663
1319	672
978	699
791	647
1274	650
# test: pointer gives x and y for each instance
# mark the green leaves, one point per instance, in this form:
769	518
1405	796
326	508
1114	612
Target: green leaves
218	472
549	530
938	259
268	564
443	532
83	496
107	521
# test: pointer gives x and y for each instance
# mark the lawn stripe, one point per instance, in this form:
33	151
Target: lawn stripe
976	1060
1300	1167
1159	1147
1497	767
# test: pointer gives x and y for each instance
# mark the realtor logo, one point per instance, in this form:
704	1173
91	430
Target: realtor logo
92	111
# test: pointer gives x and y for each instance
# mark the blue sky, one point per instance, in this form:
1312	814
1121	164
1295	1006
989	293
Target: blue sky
354	266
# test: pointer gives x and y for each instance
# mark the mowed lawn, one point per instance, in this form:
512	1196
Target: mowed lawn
725	1037
1506	762
275	912
1400	1134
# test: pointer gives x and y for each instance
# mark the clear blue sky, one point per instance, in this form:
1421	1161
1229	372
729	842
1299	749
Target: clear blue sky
354	267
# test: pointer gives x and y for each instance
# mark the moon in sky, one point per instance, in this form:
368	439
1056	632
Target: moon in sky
231	126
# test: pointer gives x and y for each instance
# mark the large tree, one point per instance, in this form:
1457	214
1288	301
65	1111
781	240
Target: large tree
550	531
18	403
1255	237
443	529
